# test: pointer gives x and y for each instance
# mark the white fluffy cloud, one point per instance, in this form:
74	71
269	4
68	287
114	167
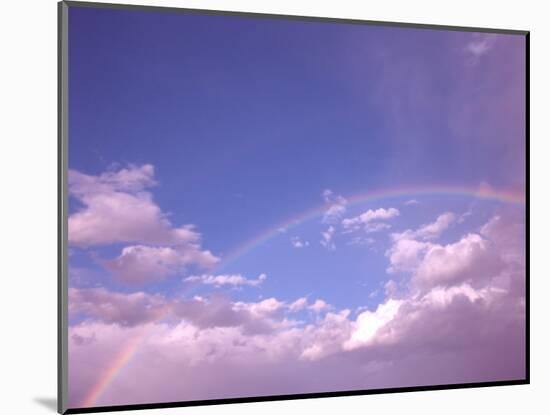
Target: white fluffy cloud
430	230
118	208
459	318
112	307
405	254
458	294
298	305
365	219
368	323
234	280
469	259
319	305
139	263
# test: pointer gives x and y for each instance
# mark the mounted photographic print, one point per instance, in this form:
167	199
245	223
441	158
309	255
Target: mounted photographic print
257	207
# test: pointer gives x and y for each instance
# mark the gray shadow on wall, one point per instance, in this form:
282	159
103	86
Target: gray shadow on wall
48	403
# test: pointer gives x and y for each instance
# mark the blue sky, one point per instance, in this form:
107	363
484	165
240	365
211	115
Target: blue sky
236	124
247	122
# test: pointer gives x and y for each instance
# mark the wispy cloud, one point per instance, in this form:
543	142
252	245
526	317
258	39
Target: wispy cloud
480	44
327	238
336	206
430	230
364	220
234	280
298	242
319	306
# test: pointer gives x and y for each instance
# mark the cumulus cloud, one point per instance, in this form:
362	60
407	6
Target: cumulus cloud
336	206
139	263
459	295
461	323
405	254
234	280
369	322
430	230
469	259
298	305
112	307
117	207
140	308
319	305
364	220
326	337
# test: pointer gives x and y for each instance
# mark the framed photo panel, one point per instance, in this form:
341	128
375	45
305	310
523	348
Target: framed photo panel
260	207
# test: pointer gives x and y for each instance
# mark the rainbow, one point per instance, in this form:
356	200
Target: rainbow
124	356
120	360
483	192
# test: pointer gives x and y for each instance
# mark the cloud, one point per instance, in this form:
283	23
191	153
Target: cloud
412	202
111	307
140	264
327	237
460	295
431	264
266	307
405	254
480	44
466	328
297	242
507	232
462	218
298	305
369	322
141	308
364	219
429	231
326	337
390	288
118	208
319	305
469	259
336	207
376	227
361	240
234	280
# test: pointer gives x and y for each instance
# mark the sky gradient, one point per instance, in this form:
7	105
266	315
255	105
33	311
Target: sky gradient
266	207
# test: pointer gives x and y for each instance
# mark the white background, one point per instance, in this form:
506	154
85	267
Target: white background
28	204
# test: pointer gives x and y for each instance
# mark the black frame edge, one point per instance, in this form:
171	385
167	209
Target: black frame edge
164	405
527	208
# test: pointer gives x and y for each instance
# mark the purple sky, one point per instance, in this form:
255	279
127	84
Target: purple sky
193	140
